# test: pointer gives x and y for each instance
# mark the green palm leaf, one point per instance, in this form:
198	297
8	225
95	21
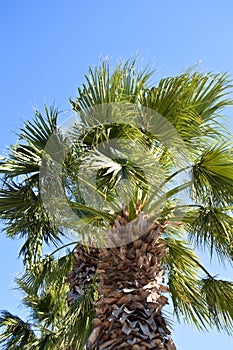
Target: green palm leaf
193	100
124	84
212	174
21	205
219	298
15	333
79	318
184	283
24	216
211	227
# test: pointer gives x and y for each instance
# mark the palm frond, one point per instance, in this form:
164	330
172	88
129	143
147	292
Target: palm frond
49	306
45	296
219	298
15	333
193	100
23	160
25	157
123	84
212	227
47	341
21	206
206	302
78	320
184	283
212	175
38	131
24	216
47	271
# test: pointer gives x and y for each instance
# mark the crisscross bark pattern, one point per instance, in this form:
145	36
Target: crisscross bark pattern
130	288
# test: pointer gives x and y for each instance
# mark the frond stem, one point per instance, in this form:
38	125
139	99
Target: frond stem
175	173
203	268
64	246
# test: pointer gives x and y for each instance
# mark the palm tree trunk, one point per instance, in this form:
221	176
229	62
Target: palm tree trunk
130	288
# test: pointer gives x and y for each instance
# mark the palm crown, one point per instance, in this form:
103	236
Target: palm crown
177	118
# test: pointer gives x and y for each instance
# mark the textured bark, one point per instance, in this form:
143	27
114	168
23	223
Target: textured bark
130	289
84	270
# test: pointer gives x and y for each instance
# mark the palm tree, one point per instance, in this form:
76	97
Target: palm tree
116	180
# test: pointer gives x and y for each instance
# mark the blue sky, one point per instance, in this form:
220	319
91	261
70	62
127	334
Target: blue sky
46	47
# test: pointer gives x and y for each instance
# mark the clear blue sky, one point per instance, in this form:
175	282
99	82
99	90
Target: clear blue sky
46	47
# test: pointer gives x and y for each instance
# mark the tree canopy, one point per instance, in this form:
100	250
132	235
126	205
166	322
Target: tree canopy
135	146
